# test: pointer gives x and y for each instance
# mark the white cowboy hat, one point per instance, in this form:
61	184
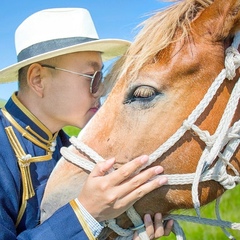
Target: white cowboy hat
54	32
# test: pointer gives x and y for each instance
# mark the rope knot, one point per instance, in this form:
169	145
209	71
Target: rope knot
226	180
203	135
232	62
233	132
25	160
187	125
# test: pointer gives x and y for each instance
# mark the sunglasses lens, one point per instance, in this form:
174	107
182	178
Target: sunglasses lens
96	82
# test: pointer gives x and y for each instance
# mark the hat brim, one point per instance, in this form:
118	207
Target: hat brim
110	48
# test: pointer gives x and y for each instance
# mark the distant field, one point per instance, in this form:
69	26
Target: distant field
229	209
71	131
2	102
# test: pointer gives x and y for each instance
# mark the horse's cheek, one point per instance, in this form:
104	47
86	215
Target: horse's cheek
61	187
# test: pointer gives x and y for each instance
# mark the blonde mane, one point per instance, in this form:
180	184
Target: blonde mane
156	33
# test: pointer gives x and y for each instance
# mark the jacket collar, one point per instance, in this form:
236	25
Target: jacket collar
26	119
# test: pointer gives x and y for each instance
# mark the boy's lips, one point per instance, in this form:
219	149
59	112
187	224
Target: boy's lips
94	109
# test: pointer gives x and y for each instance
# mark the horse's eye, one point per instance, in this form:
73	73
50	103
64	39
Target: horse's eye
144	92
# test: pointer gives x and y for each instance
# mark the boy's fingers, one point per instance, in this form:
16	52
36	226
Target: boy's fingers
168	227
127	170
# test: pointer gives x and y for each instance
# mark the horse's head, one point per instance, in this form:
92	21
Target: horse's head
165	74
163	77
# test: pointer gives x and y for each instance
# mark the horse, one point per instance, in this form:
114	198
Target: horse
166	95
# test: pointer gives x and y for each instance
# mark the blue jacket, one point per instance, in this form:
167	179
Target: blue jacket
64	224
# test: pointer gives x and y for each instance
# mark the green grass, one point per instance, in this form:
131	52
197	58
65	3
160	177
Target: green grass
2	102
229	209
71	131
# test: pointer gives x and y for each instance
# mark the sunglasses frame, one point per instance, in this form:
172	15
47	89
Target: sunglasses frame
93	77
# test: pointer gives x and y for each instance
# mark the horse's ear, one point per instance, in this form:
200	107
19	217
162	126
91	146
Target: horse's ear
218	21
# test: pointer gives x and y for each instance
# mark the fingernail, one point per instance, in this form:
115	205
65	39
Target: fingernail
144	159
158	216
158	169
111	160
148	218
163	180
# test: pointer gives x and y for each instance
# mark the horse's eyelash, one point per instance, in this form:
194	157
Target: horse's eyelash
128	101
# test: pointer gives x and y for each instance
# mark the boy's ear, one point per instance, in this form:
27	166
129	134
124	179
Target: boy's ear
34	78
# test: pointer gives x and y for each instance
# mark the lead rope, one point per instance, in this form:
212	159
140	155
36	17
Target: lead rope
225	137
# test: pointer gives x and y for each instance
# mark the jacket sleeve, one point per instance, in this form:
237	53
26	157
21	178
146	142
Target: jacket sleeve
62	225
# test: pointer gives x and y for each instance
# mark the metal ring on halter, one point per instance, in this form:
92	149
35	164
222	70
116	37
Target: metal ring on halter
137	227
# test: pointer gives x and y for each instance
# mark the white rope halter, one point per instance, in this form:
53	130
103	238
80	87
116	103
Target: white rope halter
221	146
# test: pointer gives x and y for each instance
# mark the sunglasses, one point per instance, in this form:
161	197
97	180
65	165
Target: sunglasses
96	78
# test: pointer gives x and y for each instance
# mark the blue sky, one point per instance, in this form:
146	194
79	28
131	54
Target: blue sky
112	18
